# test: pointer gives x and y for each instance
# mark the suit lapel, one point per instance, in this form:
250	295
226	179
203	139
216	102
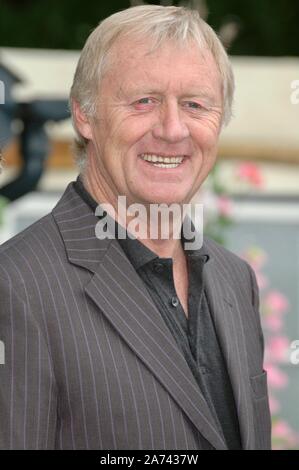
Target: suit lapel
230	331
121	296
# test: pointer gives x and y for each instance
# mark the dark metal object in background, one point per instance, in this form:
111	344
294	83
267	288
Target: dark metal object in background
34	142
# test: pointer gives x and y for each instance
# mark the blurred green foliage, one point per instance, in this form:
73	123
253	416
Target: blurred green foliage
268	27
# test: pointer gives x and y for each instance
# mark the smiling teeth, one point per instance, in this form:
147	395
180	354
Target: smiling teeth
169	165
163	162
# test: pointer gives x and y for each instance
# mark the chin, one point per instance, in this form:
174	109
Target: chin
168	198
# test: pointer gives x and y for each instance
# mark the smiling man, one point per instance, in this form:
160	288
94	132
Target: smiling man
133	342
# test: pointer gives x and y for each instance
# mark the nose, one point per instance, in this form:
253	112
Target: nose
170	126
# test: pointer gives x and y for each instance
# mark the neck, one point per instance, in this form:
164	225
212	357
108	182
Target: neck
169	247
165	248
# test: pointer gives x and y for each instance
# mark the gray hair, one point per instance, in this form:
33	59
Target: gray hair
158	23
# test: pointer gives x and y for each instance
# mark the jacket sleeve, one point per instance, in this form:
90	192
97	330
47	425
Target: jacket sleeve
28	395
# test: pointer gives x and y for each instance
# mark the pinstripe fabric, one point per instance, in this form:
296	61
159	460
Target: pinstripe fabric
90	363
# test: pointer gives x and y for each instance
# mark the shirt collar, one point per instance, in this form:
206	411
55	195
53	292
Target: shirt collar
135	250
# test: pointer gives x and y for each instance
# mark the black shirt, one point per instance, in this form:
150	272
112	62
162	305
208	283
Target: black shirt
195	334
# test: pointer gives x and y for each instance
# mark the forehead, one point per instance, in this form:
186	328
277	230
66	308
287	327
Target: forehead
133	64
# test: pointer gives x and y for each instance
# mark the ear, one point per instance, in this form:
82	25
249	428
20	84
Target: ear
81	121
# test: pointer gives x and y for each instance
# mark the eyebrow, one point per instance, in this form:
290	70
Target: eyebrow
204	93
194	93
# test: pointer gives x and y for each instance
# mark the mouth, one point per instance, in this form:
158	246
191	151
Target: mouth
161	161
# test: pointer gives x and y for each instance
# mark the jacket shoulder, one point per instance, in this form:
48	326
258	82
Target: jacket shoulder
229	261
35	239
40	241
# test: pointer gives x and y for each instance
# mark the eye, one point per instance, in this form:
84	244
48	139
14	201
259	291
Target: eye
144	103
193	105
144	100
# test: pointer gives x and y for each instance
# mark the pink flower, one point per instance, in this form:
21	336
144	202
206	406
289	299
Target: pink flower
224	206
276	377
277	349
250	173
281	429
289	443
273	323
276	302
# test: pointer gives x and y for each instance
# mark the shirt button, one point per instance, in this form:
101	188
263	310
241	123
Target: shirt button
174	301
158	267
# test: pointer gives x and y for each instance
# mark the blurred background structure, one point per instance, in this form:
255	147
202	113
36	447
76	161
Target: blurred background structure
252	197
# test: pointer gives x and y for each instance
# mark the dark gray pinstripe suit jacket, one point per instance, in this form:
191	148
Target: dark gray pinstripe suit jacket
89	361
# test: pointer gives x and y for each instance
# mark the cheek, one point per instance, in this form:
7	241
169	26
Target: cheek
206	136
123	144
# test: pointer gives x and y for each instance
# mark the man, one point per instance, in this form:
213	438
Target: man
123	343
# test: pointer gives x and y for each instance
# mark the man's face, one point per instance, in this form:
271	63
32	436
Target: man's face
166	104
